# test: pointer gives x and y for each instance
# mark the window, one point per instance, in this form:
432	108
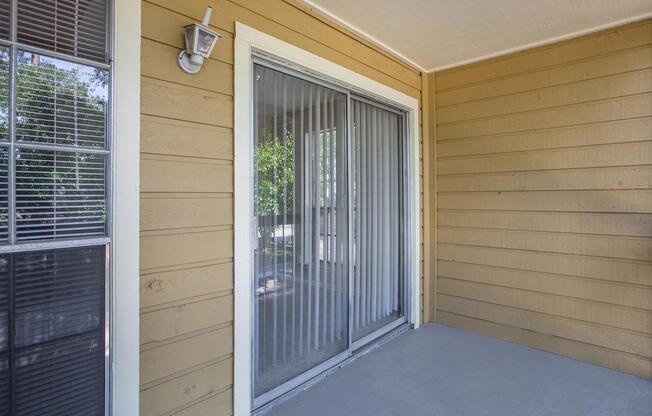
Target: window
54	206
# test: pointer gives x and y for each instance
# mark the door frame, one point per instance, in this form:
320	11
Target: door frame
123	294
247	42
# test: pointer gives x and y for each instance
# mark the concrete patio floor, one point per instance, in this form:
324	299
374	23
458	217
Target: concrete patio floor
443	371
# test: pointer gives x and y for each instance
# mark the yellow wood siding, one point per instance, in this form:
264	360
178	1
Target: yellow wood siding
544	197
187	190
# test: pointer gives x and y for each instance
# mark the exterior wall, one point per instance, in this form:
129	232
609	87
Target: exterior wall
429	134
544	197
186	233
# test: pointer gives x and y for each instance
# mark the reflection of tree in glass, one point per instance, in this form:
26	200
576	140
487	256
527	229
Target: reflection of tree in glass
4	136
274	187
4	94
60	103
59	194
100	77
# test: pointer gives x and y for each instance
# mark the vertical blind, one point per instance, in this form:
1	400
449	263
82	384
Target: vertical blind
54	158
301	264
377	283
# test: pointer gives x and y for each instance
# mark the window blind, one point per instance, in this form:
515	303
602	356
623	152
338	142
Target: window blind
54	355
4	137
4	94
73	27
4	309
4	195
4	336
4	386
58	102
59	194
61	379
5	18
57	293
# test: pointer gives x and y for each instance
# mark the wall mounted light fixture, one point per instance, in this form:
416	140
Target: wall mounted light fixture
200	41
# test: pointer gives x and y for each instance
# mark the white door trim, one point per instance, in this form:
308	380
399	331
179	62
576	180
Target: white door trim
246	41
124	313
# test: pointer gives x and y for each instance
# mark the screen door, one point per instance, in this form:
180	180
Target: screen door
300	270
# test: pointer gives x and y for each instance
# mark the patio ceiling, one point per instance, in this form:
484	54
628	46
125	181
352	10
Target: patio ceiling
438	34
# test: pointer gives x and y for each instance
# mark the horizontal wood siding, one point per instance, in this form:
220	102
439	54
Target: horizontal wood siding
544	197
186	234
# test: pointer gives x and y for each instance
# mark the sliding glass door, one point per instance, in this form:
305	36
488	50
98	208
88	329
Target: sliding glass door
300	270
328	205
378	209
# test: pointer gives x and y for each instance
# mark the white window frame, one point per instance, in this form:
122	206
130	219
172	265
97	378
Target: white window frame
125	189
247	40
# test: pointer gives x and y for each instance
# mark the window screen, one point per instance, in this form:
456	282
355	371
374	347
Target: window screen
54	240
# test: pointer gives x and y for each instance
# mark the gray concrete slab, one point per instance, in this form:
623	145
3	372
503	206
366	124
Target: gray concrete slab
442	371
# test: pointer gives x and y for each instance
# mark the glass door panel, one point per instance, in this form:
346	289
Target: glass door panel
378	209
301	215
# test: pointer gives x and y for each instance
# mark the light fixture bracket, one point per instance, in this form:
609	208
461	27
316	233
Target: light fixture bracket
186	64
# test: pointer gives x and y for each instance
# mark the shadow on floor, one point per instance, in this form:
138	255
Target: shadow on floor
442	371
